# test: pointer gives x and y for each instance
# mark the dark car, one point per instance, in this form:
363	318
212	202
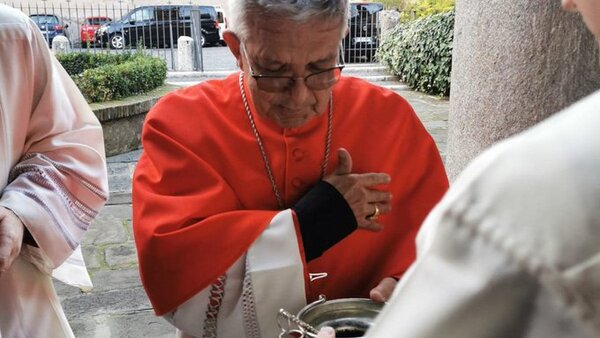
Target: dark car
362	39
50	26
90	26
159	26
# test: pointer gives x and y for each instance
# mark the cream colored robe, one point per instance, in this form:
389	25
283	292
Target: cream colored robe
52	176
513	249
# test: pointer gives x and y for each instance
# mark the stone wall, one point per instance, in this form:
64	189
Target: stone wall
122	121
124	134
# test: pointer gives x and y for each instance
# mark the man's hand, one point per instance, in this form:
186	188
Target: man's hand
382	292
358	191
11	237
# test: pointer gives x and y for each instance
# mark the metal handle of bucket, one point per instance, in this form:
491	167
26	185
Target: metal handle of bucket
304	329
319	301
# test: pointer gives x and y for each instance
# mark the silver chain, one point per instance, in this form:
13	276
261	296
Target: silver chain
262	148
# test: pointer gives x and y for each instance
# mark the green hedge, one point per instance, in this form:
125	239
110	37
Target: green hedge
104	77
76	63
420	53
422	8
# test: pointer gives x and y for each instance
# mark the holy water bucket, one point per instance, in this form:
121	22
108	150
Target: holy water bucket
349	317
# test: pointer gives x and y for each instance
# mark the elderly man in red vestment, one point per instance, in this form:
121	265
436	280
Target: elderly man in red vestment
281	182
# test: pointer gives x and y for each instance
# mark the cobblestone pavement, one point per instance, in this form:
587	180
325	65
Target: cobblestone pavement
118	306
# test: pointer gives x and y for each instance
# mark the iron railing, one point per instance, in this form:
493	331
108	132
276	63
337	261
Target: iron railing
359	45
158	32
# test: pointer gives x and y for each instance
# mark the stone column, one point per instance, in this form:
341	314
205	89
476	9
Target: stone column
60	44
515	62
185	54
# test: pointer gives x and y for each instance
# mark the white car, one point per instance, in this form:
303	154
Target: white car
222	20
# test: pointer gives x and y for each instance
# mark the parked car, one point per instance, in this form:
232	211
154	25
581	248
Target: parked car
222	20
89	28
159	26
364	30
50	25
210	26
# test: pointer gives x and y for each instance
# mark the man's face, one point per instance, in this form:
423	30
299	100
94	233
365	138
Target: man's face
282	47
590	11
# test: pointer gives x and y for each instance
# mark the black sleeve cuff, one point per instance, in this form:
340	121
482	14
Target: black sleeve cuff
325	219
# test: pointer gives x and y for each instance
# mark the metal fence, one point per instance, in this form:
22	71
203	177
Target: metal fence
364	32
157	28
72	16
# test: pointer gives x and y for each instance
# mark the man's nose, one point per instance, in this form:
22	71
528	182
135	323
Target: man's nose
299	91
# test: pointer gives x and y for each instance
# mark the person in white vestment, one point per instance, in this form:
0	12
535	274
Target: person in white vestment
53	181
513	249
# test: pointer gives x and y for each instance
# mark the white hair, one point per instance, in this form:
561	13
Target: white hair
297	10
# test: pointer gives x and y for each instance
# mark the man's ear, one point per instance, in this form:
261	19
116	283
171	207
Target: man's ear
233	42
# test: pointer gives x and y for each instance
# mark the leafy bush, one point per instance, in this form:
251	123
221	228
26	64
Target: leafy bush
420	53
422	8
415	9
76	63
393	4
104	77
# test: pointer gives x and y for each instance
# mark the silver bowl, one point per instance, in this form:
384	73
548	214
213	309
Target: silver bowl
349	317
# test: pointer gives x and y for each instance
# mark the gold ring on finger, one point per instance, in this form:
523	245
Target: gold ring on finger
375	214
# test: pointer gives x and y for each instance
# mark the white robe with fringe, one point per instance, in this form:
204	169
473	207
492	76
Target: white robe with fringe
52	176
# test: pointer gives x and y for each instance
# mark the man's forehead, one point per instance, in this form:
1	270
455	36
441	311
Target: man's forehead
273	24
279	40
268	51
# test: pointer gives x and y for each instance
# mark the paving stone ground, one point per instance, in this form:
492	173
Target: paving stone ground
118	306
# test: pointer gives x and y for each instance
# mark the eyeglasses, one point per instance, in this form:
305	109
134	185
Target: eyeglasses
277	83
